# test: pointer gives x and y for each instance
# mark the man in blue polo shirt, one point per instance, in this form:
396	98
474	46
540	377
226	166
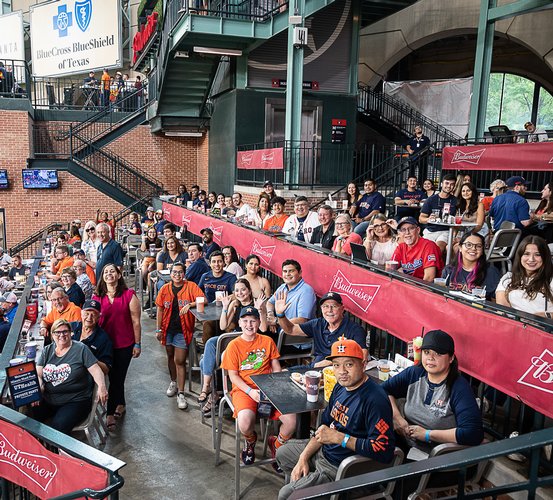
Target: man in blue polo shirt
108	252
324	331
512	206
370	204
89	333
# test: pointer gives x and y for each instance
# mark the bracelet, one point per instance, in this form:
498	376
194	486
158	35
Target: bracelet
249	390
427	436
225	311
345	441
137	345
280	315
157	331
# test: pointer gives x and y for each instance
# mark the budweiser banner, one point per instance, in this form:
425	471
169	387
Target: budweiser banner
531	156
264	159
24	461
514	358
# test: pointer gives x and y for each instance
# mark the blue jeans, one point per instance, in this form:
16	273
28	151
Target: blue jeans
208	361
64	417
361	229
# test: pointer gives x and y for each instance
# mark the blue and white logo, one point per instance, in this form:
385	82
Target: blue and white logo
63	20
83	14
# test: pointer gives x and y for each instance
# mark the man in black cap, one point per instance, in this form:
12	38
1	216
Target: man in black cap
324	331
89	333
511	205
209	245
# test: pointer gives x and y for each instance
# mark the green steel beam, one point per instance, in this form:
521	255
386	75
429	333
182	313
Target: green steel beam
517	8
482	70
354	58
241	72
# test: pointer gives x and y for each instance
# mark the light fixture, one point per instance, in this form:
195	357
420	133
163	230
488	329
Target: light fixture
218	52
181	54
183	134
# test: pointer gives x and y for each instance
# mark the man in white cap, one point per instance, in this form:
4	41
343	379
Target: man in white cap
160	222
148	219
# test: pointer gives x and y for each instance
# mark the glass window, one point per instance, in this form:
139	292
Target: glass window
6	6
545	110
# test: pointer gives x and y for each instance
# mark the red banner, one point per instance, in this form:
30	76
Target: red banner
531	156
24	461
265	159
506	354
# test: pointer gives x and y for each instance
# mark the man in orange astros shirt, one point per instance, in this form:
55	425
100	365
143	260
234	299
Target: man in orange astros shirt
60	261
63	309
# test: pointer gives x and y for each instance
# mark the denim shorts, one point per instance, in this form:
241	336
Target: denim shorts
176	339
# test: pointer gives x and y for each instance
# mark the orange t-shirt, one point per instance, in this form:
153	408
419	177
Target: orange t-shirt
250	358
106	79
275	223
487	202
164	300
72	313
62	264
91	274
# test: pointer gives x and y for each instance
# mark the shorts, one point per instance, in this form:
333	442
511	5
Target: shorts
176	339
436	236
241	401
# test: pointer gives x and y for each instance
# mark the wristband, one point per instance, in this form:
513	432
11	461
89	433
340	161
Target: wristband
225	311
248	391
280	315
427	436
157	331
345	441
137	345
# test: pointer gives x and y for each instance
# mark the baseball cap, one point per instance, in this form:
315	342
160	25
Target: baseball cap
206	230
150	209
9	297
346	348
267	183
202	192
249	311
160	211
516	180
330	296
438	341
92	304
407	220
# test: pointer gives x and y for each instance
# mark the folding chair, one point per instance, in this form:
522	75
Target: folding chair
285	342
357	464
503	247
435	482
93	421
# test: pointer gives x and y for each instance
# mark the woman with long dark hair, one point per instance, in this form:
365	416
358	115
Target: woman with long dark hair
259	284
471	270
183	196
529	286
353	194
543	215
471	208
429	188
439	404
232	263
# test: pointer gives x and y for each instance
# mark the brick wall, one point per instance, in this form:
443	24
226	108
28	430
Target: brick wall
171	160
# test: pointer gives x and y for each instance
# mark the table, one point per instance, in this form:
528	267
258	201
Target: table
288	398
452	226
212	312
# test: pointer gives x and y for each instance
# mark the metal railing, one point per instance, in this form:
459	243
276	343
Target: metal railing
400	115
31	245
17	79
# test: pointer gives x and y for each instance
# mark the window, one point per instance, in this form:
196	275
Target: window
6	6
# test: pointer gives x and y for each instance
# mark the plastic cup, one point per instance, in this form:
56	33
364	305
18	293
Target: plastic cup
152	249
479	292
312	379
391	265
200	304
344	205
383	370
440	281
329	379
30	350
458	219
219	296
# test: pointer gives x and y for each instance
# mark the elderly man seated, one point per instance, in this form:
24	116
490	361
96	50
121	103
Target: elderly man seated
417	256
357	420
62	308
324	331
83	280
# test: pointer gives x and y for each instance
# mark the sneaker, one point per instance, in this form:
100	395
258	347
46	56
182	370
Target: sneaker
272	447
172	389
516	457
248	452
181	401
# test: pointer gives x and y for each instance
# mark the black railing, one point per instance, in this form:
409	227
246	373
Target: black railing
17	81
30	246
529	444
400	115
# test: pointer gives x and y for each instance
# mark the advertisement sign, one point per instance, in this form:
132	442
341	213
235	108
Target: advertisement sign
530	156
23	384
11	40
264	159
75	36
24	461
402	309
338	131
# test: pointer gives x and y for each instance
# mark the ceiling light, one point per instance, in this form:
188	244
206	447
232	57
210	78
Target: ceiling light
218	52
183	134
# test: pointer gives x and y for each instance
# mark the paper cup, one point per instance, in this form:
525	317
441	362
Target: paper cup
219	296
329	382
391	265
312	379
479	292
200	304
440	281
383	370
30	350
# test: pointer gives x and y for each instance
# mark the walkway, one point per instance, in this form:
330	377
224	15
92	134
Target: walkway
168	451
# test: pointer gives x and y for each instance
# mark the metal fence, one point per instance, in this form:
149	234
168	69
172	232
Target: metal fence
16	79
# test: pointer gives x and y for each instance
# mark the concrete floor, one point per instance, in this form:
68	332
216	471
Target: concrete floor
168	451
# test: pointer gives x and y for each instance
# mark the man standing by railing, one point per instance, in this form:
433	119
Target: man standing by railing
417	147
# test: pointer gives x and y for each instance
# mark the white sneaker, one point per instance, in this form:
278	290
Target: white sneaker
181	401
172	389
516	457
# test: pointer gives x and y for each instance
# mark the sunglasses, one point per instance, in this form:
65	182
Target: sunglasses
90	229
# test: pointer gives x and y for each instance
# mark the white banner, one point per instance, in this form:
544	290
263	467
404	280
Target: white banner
447	102
11	38
75	36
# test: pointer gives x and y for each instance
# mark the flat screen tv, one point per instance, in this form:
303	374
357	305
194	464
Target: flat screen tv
40	179
4	179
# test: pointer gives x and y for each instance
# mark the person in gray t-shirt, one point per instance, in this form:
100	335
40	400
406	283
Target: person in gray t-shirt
67	371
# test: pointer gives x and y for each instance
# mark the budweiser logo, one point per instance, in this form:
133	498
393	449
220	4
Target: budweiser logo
264	253
217	232
246	158
186	220
468	156
267	157
539	374
38	468
551	160
360	294
167	213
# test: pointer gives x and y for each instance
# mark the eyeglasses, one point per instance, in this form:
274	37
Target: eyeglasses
340	224
177	271
59	333
408	229
380	226
470	246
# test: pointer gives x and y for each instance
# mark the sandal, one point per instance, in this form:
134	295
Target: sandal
111	423
202	398
120	413
206	409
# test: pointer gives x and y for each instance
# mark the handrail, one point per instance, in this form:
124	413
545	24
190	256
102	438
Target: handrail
463	459
37	236
90	493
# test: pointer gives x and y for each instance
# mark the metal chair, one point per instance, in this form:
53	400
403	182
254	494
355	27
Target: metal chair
285	340
503	247
93	421
507	224
357	464
435	482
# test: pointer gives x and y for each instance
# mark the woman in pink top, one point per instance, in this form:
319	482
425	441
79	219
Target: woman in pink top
121	320
345	235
